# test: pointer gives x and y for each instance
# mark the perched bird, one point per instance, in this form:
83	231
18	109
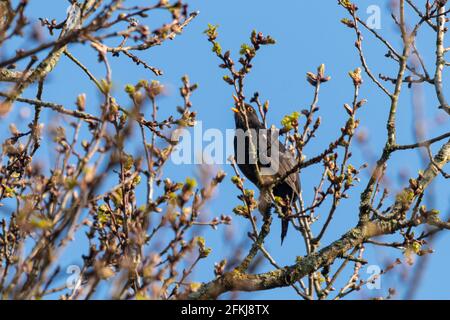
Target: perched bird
274	156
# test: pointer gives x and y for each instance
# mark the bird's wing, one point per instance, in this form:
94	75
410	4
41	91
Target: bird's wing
282	160
287	162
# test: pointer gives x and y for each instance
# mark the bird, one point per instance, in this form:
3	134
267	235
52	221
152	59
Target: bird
283	161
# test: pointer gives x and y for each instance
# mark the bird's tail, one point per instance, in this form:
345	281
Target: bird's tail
284	229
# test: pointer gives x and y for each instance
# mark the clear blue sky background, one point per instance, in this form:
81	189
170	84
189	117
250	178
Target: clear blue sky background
308	33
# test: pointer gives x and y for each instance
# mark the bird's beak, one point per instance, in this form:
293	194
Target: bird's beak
235	110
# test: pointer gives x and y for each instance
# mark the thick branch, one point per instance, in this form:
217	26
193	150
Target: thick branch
237	281
7	75
440	60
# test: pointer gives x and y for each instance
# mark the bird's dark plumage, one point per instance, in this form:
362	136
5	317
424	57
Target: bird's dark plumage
282	160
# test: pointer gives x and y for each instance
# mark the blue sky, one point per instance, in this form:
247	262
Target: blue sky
308	33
